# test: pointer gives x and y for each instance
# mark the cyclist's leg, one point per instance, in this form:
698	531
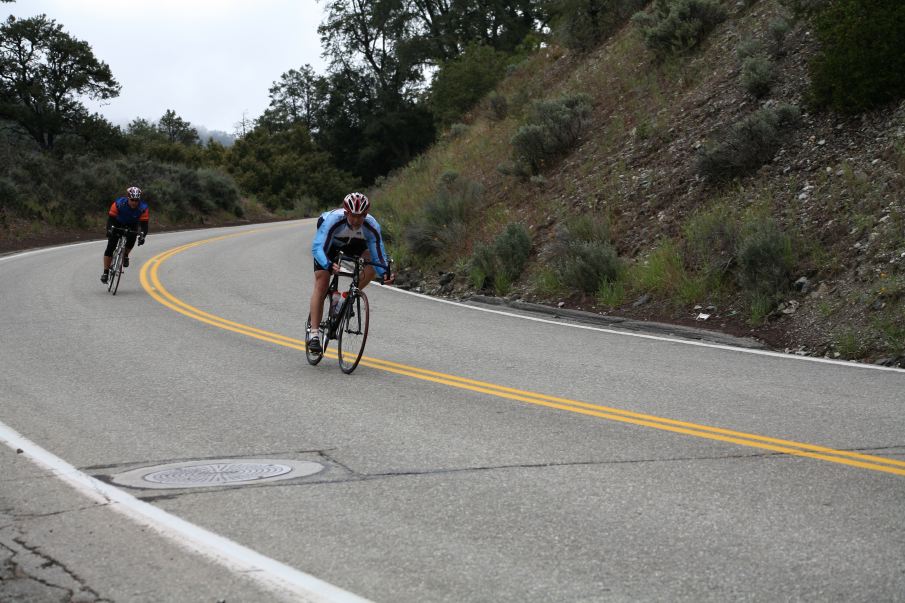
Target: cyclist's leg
321	282
368	273
130	241
108	252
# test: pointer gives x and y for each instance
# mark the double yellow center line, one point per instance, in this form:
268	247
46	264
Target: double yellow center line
151	283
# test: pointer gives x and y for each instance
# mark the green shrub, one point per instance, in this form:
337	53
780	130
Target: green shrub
546	281
759	308
499	106
482	268
891	331
850	344
750	47
611	293
553	129
530	147
662	272
778	29
711	240
587	265
219	188
512	248
748	144
502	262
678	26
441	225
764	258
861	63
583	257
757	75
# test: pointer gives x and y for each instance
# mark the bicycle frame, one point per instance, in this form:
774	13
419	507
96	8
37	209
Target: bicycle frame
116	260
332	319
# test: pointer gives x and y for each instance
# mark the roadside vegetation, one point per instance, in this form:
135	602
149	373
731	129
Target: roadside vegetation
680	167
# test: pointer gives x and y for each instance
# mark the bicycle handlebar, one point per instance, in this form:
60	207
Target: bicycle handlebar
354	258
123	230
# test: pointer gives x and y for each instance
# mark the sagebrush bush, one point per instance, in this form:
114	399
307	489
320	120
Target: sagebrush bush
440	226
553	129
861	62
678	26
750	47
748	144
764	258
587	265
482	266
778	29
530	148
498	105
757	75
512	247
502	262
711	239
583	256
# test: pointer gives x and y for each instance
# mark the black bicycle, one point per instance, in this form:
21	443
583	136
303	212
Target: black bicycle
116	262
347	319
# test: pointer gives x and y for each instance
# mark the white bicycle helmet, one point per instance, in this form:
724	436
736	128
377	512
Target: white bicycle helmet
133	192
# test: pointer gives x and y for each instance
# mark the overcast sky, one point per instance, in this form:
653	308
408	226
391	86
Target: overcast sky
208	60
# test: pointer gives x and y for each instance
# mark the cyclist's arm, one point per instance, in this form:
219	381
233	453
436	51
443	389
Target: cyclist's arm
143	221
375	245
111	222
324	237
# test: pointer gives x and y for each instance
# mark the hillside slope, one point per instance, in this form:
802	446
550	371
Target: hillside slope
834	186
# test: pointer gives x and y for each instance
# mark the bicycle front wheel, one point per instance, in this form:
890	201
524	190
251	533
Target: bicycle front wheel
116	267
353	332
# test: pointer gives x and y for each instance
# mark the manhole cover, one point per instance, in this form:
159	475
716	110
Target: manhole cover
221	472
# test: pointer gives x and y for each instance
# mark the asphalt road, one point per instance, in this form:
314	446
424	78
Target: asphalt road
475	456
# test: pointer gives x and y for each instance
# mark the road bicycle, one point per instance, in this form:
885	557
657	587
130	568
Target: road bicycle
119	254
346	321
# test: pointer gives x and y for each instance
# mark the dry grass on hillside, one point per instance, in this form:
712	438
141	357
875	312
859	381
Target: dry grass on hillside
835	186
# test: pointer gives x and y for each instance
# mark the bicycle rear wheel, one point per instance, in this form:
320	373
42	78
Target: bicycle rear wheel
353	332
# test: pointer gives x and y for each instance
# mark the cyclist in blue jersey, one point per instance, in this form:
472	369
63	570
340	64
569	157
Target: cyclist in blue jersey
126	212
351	230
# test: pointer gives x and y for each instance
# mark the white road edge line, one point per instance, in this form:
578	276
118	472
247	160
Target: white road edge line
278	578
626	333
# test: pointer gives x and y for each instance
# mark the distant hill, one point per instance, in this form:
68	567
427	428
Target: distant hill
220	136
